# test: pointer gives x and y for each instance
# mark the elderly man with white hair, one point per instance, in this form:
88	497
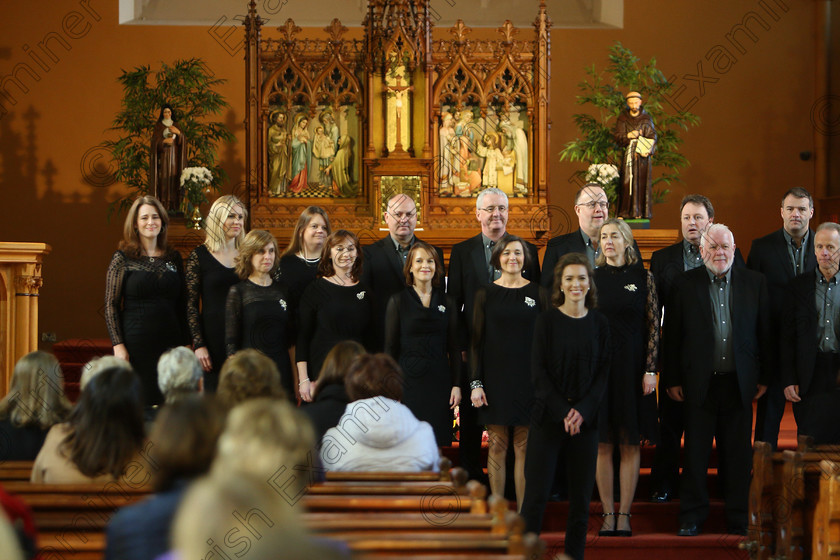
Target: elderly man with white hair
179	374
717	362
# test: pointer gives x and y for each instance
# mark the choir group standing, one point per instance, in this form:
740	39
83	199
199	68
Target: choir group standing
562	365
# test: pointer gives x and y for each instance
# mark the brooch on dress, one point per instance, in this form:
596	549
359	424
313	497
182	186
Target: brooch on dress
171	267
442	308
361	295
530	302
630	287
283	304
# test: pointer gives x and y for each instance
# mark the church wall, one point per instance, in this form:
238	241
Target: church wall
745	154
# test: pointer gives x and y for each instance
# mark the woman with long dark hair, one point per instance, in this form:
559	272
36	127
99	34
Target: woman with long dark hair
145	303
569	364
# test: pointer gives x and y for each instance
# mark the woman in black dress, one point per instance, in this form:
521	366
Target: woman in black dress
503	327
421	334
258	311
627	296
571	354
334	307
145	303
210	274
299	262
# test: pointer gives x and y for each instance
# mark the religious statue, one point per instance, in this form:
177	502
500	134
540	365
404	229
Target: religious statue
278	154
489	150
517	143
300	154
447	152
323	152
634	131
168	159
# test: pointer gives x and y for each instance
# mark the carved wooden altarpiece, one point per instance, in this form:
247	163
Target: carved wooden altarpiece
344	123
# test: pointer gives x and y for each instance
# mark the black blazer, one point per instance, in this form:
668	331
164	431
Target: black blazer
561	245
769	256
798	354
383	274
689	334
468	271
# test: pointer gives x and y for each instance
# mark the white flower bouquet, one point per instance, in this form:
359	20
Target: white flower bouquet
196	183
604	174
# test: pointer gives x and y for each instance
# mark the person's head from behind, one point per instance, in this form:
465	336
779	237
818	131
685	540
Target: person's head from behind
184	438
265	438
106	426
374	375
337	363
98	365
36	395
179	374
248	374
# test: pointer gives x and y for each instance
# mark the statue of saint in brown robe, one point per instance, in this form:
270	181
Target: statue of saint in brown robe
634	131
168	159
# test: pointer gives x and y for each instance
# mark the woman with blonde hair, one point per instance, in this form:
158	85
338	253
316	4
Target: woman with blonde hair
145	301
34	403
627	296
210	274
259	310
334	307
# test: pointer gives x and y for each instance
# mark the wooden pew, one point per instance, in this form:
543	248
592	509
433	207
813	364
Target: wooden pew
15	471
826	533
784	494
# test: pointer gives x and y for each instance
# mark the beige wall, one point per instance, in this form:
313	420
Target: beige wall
744	155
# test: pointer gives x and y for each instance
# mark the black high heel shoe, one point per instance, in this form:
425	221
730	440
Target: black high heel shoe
608	532
623	532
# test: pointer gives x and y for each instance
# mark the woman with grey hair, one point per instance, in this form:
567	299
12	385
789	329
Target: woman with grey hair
179	374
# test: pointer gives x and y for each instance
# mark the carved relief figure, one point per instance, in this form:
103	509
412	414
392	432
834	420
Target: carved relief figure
300	154
341	168
489	150
323	151
278	154
517	140
447	151
168	159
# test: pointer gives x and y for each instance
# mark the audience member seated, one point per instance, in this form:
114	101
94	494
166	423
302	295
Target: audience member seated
376	431
183	440
248	374
102	434
180	374
35	402
97	365
330	394
225	516
13	509
269	440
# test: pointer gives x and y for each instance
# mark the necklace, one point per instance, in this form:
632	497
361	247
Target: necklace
308	261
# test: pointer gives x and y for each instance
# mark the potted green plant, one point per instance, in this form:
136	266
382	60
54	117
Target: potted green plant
603	93
189	87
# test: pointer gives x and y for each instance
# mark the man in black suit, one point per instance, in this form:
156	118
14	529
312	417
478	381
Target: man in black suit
592	208
469	269
716	357
385	259
667	266
780	256
810	357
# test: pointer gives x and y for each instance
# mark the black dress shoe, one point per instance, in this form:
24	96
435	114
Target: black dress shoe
688	530
660	496
608	532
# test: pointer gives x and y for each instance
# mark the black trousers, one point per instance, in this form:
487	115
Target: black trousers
818	413
548	442
769	412
722	418
665	473
469	442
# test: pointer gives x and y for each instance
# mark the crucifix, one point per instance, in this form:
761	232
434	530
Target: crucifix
399	90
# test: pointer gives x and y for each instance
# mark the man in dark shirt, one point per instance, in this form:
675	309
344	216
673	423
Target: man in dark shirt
385	259
780	256
716	357
810	357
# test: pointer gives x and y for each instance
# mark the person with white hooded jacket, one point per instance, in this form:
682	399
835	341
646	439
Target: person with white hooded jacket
376	431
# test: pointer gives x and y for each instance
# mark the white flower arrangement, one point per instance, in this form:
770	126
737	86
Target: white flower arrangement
198	175
195	185
602	173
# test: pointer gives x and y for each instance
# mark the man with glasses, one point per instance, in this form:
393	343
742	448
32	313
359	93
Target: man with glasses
592	208
385	259
469	269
